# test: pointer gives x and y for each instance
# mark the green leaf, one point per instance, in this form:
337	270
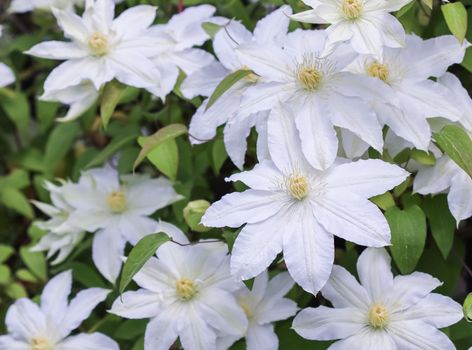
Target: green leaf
384	201
456	143
230	238
111	96
5	252
226	84
467	308
166	133
16	106
16	291
193	213
16	200
5	274
138	256
26	275
164	157
455	15
59	143
113	147
441	222
422	157
408	229
211	28
35	262
17	179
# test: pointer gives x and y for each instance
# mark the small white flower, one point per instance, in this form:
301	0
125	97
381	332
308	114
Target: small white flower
61	236
382	312
79	98
263	305
270	30
6	74
321	94
48	326
366	24
186	292
102	48
118	209
290	206
176	41
406	72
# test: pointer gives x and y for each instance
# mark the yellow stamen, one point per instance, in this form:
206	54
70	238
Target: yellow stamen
310	78
378	316
98	44
379	70
40	344
299	187
117	202
352	9
186	289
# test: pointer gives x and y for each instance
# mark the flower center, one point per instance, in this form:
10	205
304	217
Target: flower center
378	316
310	78
299	187
352	8
247	310
98	44
379	70
117	202
41	344
186	289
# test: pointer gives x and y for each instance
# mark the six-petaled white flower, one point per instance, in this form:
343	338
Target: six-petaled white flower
48	326
382	312
186	292
294	208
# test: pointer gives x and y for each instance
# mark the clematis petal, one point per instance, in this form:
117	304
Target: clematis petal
375	272
88	342
138	304
261	337
419	335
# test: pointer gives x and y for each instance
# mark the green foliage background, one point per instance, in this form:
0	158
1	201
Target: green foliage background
33	147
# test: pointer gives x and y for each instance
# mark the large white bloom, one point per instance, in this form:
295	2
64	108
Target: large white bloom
6	74
79	98
366	24
405	72
382	312
118	209
186	292
263	305
290	206
102	48
61	236
446	174
176	41
321	94
270	30
48	326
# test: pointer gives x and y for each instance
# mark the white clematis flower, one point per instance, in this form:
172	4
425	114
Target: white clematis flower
382	312
405	72
446	175
21	6
102	48
79	98
6	74
118	209
292	207
366	24
186	292
48	326
321	94
270	30
61	236
263	305
177	39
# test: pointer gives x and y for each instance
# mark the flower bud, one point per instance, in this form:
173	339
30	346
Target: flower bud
193	213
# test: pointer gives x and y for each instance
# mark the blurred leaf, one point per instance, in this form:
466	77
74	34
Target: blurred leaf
218	154
26	276
139	255
111	96
467	308
166	133
17	179
408	229
422	157
59	143
226	84
131	329
113	147
211	28
16	291
16	200
5	252
86	275
16	106
35	262
455	15
5	274
384	201
456	143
